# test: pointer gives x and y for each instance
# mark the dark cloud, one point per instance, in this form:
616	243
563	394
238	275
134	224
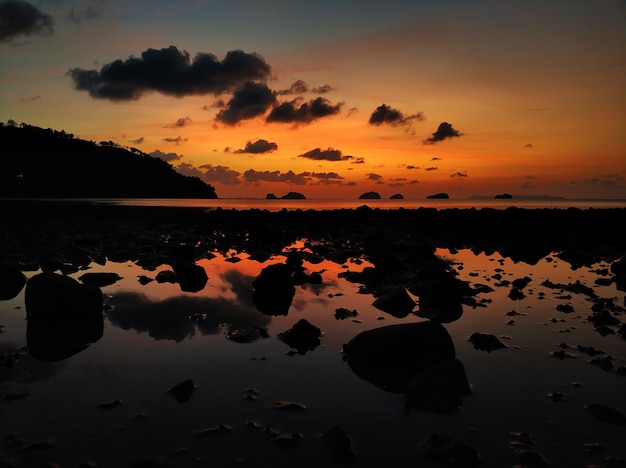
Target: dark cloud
385	114
297	87
249	101
19	18
445	130
166	156
137	141
87	12
170	71
411	167
529	145
182	122
375	177
458	174
298	112
432	168
176	141
327	177
252	176
189	170
329	154
221	174
258	147
323	89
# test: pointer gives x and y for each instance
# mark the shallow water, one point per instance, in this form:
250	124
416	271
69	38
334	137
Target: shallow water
151	342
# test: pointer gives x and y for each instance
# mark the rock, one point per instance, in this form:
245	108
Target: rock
502	196
274	289
220	429
100	279
396	196
342	313
271	196
485	342
449	450
391	357
12	282
302	336
166	276
288	439
293	196
438	196
190	277
396	302
439	388
339	444
64	316
288	406
182	392
370	196
606	414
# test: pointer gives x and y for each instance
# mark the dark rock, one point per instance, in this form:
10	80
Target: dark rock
342	313
271	196
274	289
166	276
293	196
521	283
339	443
182	392
396	196
288	406
485	342
12	281
100	279
288	439
391	357
516	294
370	196
606	414
450	451
190	277
438	196
502	196
396	302
64	316
439	388
302	336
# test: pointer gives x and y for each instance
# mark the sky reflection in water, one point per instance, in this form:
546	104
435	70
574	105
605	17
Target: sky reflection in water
156	335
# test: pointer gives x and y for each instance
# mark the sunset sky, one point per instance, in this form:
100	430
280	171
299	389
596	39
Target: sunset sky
335	98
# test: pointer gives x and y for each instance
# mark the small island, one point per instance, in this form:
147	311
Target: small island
503	196
438	196
397	196
370	196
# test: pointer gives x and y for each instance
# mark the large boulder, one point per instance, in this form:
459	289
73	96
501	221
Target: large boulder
64	316
12	282
273	289
392	357
302	337
190	277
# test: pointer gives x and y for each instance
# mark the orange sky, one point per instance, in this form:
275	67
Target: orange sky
532	92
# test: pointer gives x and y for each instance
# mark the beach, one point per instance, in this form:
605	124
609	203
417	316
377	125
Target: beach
176	336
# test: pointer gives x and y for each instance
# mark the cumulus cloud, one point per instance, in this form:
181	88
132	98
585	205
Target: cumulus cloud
299	112
21	19
258	147
221	174
249	101
329	154
290	177
385	114
444	131
172	72
166	156
297	87
182	122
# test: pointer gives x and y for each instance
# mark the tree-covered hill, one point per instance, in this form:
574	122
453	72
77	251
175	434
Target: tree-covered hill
45	163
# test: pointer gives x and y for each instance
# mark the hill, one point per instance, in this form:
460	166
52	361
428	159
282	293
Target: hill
45	163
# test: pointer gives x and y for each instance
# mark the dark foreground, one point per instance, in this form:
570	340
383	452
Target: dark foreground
436	338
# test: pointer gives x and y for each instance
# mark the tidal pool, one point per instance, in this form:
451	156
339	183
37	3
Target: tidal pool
109	404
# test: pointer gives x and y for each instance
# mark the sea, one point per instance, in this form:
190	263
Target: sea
339	203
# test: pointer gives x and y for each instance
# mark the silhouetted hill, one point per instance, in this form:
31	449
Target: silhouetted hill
45	163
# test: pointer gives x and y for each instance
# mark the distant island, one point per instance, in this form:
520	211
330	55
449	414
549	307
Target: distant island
370	196
503	196
288	196
438	196
46	163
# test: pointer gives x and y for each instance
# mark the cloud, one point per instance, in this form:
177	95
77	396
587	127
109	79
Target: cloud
432	168
445	130
182	122
252	176
411	167
375	177
221	174
137	141
166	156
323	89
176	141
458	174
19	18
258	147
172	72
297	87
327	177
249	101
329	154
298	112
88	12
529	145
385	114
